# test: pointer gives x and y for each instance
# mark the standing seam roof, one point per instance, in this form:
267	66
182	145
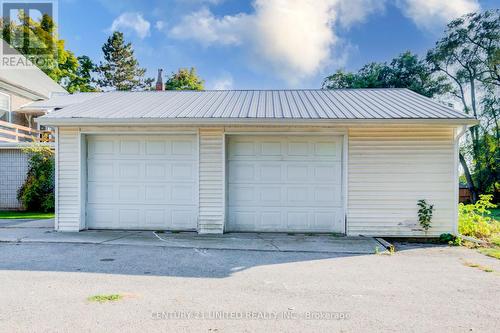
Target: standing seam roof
271	104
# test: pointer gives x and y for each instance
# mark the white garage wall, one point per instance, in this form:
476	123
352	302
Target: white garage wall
68	204
390	168
212	184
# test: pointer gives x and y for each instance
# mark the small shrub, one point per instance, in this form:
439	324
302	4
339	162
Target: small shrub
450	239
473	219
425	214
446	238
37	192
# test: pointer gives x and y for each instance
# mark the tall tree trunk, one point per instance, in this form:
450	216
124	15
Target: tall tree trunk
470	183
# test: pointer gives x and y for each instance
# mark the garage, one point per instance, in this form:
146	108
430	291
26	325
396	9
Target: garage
284	183
144	182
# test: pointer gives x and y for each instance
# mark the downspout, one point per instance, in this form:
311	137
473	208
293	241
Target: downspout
456	176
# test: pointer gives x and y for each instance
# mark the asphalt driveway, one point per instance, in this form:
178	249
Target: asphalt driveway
45	286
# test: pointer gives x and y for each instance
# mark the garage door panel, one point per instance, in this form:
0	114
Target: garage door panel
284	184
183	148
129	147
241	171
145	182
102	146
157	169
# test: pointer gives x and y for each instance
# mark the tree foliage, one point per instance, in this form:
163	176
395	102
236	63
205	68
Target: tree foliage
37	192
120	69
469	56
185	79
37	40
404	71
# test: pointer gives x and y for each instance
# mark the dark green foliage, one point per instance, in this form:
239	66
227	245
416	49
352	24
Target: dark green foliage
184	79
450	239
120	69
37	192
425	214
83	81
404	71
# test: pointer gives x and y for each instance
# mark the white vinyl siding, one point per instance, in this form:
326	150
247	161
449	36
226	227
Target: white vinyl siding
68	196
211	181
283	183
390	169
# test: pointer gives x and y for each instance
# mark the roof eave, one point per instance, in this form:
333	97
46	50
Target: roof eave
245	121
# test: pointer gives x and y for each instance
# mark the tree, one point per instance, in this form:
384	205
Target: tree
184	79
38	42
469	56
82	81
404	71
120	69
37	192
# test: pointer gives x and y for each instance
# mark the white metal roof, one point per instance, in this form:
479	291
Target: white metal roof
59	101
345	104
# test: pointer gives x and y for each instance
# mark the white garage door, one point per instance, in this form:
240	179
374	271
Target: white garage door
285	183
141	182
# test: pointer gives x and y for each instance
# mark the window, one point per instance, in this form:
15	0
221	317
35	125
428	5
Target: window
4	107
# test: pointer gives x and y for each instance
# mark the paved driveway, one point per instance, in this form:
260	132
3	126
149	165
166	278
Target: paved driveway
42	231
44	287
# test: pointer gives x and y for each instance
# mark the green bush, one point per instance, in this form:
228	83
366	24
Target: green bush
37	192
473	219
450	239
425	214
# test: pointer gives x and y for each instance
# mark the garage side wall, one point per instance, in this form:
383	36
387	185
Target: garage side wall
390	169
69	202
211	180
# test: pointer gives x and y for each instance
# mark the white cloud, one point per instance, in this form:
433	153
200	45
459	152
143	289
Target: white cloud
357	11
160	25
429	14
134	22
225	82
295	38
207	29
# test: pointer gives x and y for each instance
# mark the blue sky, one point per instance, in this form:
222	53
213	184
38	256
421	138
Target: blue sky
260	44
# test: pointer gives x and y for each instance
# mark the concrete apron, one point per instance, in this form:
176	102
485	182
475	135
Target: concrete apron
230	241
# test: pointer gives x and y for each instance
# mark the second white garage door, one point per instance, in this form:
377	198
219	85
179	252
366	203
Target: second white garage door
141	182
285	184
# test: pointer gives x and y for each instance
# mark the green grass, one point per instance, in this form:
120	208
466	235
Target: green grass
493	252
25	215
105	298
483	268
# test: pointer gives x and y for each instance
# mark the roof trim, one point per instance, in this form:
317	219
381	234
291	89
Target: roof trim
246	121
21	91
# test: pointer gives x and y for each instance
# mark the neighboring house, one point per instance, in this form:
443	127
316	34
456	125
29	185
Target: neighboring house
336	161
19	87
